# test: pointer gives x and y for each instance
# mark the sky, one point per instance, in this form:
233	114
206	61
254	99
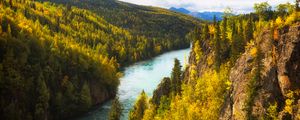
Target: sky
239	6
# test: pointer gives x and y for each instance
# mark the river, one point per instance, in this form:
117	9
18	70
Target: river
145	75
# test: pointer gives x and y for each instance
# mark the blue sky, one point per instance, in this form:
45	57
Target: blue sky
239	6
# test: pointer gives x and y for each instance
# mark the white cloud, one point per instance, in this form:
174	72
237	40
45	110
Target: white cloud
240	6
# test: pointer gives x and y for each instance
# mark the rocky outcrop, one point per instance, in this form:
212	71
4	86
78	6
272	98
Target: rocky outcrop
288	55
280	63
100	94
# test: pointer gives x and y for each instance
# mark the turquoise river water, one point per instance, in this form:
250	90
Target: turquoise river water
145	75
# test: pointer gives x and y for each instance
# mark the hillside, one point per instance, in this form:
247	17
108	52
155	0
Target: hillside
164	30
57	61
243	68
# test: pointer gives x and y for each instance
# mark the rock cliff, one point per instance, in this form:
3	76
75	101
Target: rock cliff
280	60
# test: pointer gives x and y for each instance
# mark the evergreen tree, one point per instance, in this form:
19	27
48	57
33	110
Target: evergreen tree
139	107
85	99
116	110
297	5
263	10
241	37
217	48
164	105
224	29
248	32
215	20
176	77
205	32
234	45
42	104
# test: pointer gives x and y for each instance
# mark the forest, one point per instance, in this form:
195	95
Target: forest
205	87
58	60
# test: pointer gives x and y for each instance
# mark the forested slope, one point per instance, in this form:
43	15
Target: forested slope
56	61
244	67
160	29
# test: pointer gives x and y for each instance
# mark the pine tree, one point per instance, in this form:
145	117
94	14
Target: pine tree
215	20
176	77
116	110
263	10
139	108
234	45
248	32
85	99
241	37
224	29
43	96
217	48
297	5
205	32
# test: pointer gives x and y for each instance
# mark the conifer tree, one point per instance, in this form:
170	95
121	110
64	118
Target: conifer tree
205	32
224	28
248	32
116	110
297	5
262	9
85	99
234	45
139	107
217	48
214	20
41	107
176	77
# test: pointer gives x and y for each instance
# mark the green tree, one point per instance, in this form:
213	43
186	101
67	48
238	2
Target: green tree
248	32
215	20
262	9
205	32
297	5
217	48
284	9
234	45
164	105
224	29
139	107
116	110
85	99
176	77
42	104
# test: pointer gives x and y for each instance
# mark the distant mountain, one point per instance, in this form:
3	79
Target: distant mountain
202	15
208	15
180	10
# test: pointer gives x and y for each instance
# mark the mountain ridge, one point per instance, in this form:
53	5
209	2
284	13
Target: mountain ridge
205	15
